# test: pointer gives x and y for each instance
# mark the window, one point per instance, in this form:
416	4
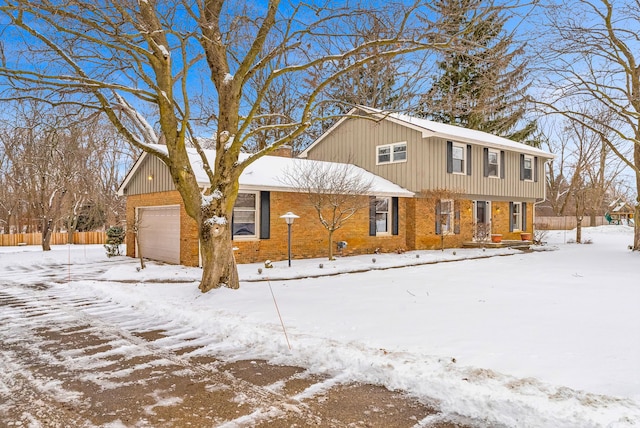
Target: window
458	158
516	216
446	216
392	153
493	163
382	215
384	154
399	152
457	154
527	167
244	215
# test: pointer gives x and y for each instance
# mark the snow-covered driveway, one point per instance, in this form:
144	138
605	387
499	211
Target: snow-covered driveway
70	361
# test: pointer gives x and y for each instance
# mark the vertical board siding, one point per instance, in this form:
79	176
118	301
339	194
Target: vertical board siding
355	141
140	183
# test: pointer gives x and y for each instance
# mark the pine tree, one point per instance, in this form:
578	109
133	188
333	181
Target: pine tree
481	80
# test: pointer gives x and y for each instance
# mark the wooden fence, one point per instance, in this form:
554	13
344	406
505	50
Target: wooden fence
56	238
566	222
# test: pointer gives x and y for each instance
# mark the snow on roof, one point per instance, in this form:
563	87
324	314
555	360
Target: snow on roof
619	205
267	173
430	128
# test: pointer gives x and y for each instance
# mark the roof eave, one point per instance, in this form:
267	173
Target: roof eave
131	173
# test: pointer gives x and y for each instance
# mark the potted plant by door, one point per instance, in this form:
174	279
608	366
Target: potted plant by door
526	236
496	237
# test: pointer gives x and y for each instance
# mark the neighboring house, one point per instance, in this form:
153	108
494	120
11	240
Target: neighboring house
469	184
167	233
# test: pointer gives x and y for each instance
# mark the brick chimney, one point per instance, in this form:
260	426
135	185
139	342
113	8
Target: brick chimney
283	151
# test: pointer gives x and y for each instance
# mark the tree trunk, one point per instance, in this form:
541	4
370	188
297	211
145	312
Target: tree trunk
636	226
218	262
46	235
579	229
331	245
636	216
136	237
71	230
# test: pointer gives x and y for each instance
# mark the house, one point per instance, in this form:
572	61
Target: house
167	233
434	185
469	184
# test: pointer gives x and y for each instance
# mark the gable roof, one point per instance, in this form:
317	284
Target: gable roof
266	173
620	205
429	128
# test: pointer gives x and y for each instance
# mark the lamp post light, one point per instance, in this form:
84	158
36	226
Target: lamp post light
289	218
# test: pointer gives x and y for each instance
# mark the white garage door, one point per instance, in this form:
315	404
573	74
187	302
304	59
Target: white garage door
159	230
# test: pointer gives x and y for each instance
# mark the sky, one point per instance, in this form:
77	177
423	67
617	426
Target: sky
548	338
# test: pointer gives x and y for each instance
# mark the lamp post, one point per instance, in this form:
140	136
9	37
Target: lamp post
289	218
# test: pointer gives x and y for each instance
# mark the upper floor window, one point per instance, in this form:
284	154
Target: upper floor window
457	155
493	163
391	153
527	167
458	158
244	215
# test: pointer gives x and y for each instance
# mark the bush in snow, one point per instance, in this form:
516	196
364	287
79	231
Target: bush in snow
115	238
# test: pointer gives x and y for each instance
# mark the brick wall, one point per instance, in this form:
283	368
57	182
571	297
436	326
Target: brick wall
424	218
500	220
310	239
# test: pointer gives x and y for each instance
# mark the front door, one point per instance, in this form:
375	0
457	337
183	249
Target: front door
482	221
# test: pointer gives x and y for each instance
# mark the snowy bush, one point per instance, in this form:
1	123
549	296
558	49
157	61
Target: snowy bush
540	236
115	238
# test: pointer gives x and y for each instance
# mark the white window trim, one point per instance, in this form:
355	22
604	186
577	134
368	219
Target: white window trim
527	157
389	219
256	219
391	158
519	222
464	159
450	222
497	152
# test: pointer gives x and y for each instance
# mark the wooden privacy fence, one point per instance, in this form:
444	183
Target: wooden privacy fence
566	222
56	238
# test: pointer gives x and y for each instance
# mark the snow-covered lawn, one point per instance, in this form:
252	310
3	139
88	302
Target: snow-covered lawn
550	338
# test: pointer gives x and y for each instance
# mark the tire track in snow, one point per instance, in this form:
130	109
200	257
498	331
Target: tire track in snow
93	345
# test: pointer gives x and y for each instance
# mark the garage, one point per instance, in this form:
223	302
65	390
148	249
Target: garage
159	233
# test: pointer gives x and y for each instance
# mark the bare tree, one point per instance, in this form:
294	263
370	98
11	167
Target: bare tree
336	191
447	211
42	152
591	65
60	168
551	139
136	59
585	171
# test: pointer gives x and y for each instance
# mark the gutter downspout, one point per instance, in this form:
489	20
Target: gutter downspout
544	198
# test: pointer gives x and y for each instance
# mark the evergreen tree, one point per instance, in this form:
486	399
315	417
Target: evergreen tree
481	81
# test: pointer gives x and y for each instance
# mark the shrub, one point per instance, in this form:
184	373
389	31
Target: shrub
115	238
